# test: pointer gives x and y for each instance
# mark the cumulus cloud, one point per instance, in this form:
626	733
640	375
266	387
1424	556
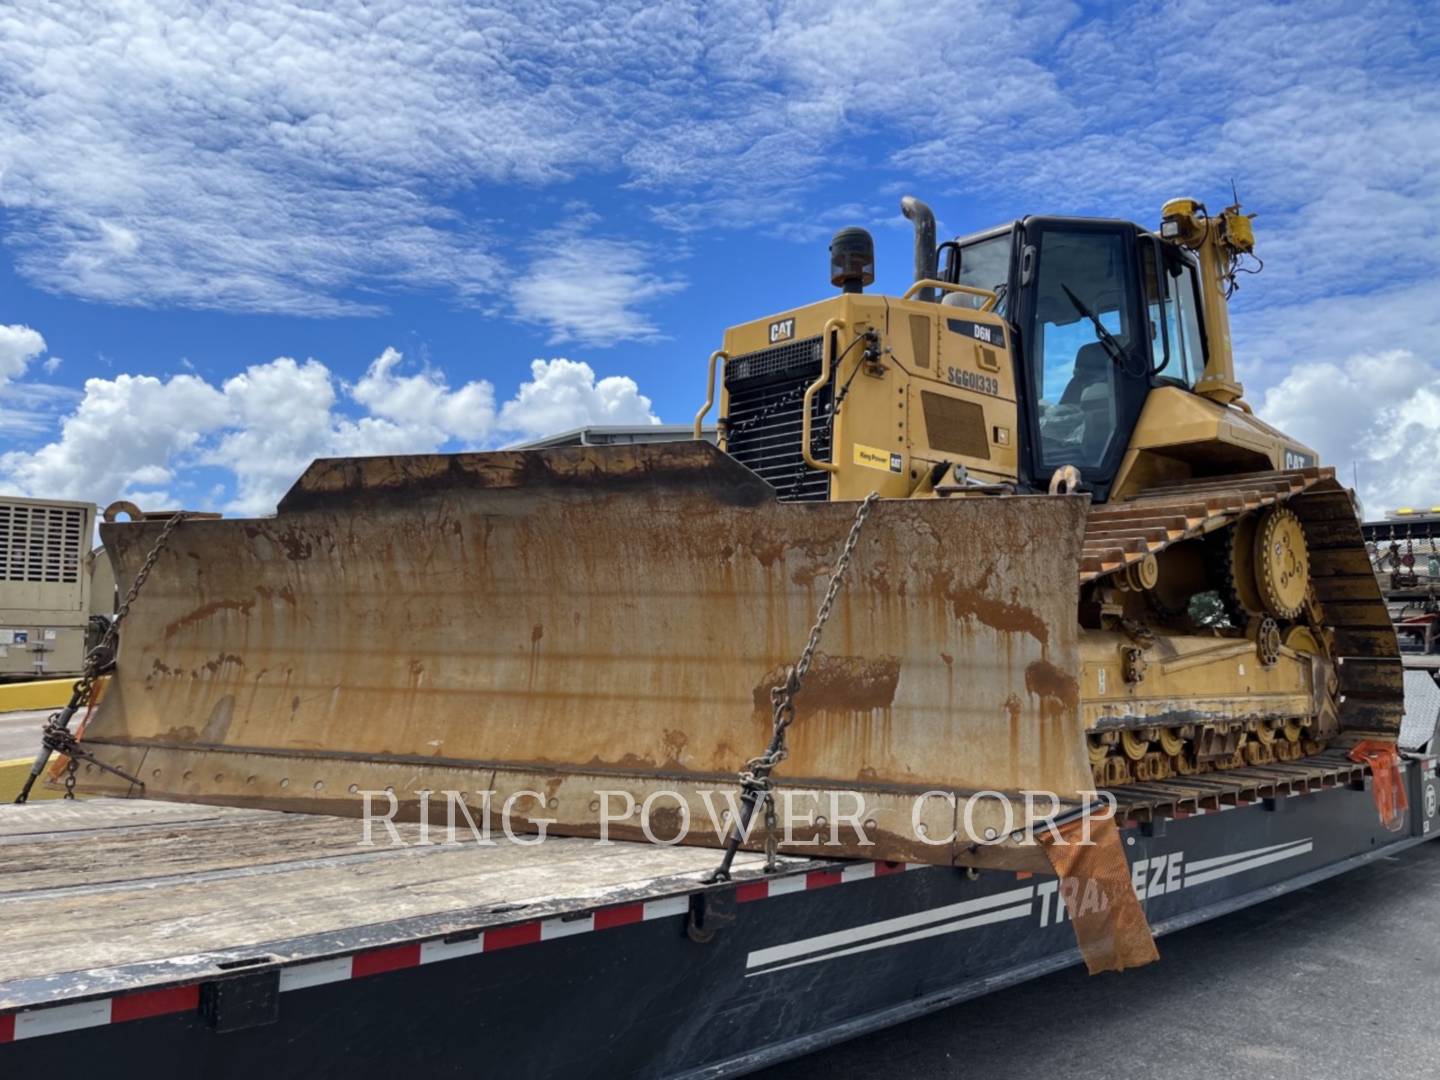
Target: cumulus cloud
1335	135
125	433
27	407
144	438
1375	414
425	400
563	394
1355	376
18	346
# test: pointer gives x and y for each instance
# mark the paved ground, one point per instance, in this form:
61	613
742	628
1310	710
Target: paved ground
1339	981
20	733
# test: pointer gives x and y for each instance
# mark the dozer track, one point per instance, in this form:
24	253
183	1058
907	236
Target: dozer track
1120	535
1357	652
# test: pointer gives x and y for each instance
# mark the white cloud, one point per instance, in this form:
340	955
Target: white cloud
280	157
1333	328
142	438
425	400
564	394
32	408
1333	136
18	346
588	288
125	431
1392	439
52	364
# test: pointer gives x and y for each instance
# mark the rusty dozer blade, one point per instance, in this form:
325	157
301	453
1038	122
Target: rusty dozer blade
575	628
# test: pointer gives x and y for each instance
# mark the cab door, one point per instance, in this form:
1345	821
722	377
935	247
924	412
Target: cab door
1085	346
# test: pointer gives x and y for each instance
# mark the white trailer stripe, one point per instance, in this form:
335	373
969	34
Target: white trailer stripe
781	885
1303	848
885	926
1019	911
1220	860
670	905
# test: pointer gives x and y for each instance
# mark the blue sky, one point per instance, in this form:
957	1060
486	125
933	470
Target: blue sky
236	237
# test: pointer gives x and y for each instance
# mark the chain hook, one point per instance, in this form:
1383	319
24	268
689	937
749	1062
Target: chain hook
757	788
56	736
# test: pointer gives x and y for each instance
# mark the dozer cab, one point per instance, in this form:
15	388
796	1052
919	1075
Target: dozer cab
1091	567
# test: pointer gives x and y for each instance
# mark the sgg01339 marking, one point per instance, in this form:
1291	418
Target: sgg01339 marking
970	380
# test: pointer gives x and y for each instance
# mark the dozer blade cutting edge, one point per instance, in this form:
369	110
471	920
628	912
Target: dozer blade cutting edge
577	621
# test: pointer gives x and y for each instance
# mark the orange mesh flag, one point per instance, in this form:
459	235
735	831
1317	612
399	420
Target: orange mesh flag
1387	785
1110	925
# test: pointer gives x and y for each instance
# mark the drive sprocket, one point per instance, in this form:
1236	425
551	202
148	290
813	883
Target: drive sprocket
1232	570
1261	565
1281	563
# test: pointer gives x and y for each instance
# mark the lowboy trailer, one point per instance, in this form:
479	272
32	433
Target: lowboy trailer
145	938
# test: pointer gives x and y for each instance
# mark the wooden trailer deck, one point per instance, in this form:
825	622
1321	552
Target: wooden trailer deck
105	895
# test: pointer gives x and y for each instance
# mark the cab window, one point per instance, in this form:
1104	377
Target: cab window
984	264
1186	309
1179	344
1084	346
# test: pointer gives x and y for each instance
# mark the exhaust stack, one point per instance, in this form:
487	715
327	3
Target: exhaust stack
924	219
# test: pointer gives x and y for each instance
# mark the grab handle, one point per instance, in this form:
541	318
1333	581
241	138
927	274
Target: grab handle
715	358
827	335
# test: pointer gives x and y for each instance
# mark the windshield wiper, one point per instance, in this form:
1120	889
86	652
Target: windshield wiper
1107	339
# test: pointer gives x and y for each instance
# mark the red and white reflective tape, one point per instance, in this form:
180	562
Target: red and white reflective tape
56	1019
399	957
820	879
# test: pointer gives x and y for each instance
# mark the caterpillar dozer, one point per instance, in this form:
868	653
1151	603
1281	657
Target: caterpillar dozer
1091	566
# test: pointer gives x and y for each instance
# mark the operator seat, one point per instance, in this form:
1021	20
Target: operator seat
1092	367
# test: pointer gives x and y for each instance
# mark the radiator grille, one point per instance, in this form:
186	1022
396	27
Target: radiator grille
40	543
781	360
955	426
767	390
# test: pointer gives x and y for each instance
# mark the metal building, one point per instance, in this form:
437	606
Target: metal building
608	435
48	583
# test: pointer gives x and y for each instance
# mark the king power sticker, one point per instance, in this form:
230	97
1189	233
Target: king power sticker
884	460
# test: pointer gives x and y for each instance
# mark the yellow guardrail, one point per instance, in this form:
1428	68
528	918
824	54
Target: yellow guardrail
12	775
42	694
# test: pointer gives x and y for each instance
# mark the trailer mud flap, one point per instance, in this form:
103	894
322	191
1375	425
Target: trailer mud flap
1095	883
1387	785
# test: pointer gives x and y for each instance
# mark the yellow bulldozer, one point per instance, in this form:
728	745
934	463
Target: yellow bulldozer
1090	568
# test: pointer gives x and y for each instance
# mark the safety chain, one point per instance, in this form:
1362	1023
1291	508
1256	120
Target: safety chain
755	783
55	736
